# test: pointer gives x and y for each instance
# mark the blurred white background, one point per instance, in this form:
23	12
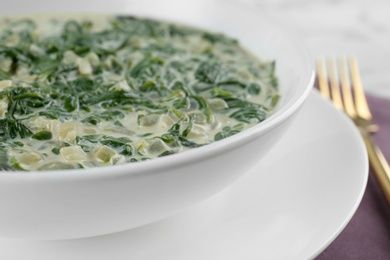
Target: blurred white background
337	27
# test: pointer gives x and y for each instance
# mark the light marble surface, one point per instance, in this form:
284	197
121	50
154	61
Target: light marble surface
339	27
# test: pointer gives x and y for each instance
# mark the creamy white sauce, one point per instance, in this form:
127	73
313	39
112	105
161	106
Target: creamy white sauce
144	127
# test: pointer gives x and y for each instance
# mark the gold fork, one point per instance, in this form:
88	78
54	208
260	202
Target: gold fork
354	104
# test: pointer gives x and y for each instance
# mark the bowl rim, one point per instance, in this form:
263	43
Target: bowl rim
156	165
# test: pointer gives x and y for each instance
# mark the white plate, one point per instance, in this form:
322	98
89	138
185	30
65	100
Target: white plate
290	206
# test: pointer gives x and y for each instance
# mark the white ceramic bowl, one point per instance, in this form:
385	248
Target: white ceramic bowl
82	203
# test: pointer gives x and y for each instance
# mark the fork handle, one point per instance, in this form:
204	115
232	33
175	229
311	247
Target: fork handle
379	165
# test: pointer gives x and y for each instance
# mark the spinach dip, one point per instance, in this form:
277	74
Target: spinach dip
80	91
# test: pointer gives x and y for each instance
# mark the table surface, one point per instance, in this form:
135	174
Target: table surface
341	27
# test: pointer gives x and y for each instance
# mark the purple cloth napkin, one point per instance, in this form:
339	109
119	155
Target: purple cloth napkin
367	236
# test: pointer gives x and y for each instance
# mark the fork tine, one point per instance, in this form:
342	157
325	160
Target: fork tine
322	78
334	85
346	89
358	111
362	109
